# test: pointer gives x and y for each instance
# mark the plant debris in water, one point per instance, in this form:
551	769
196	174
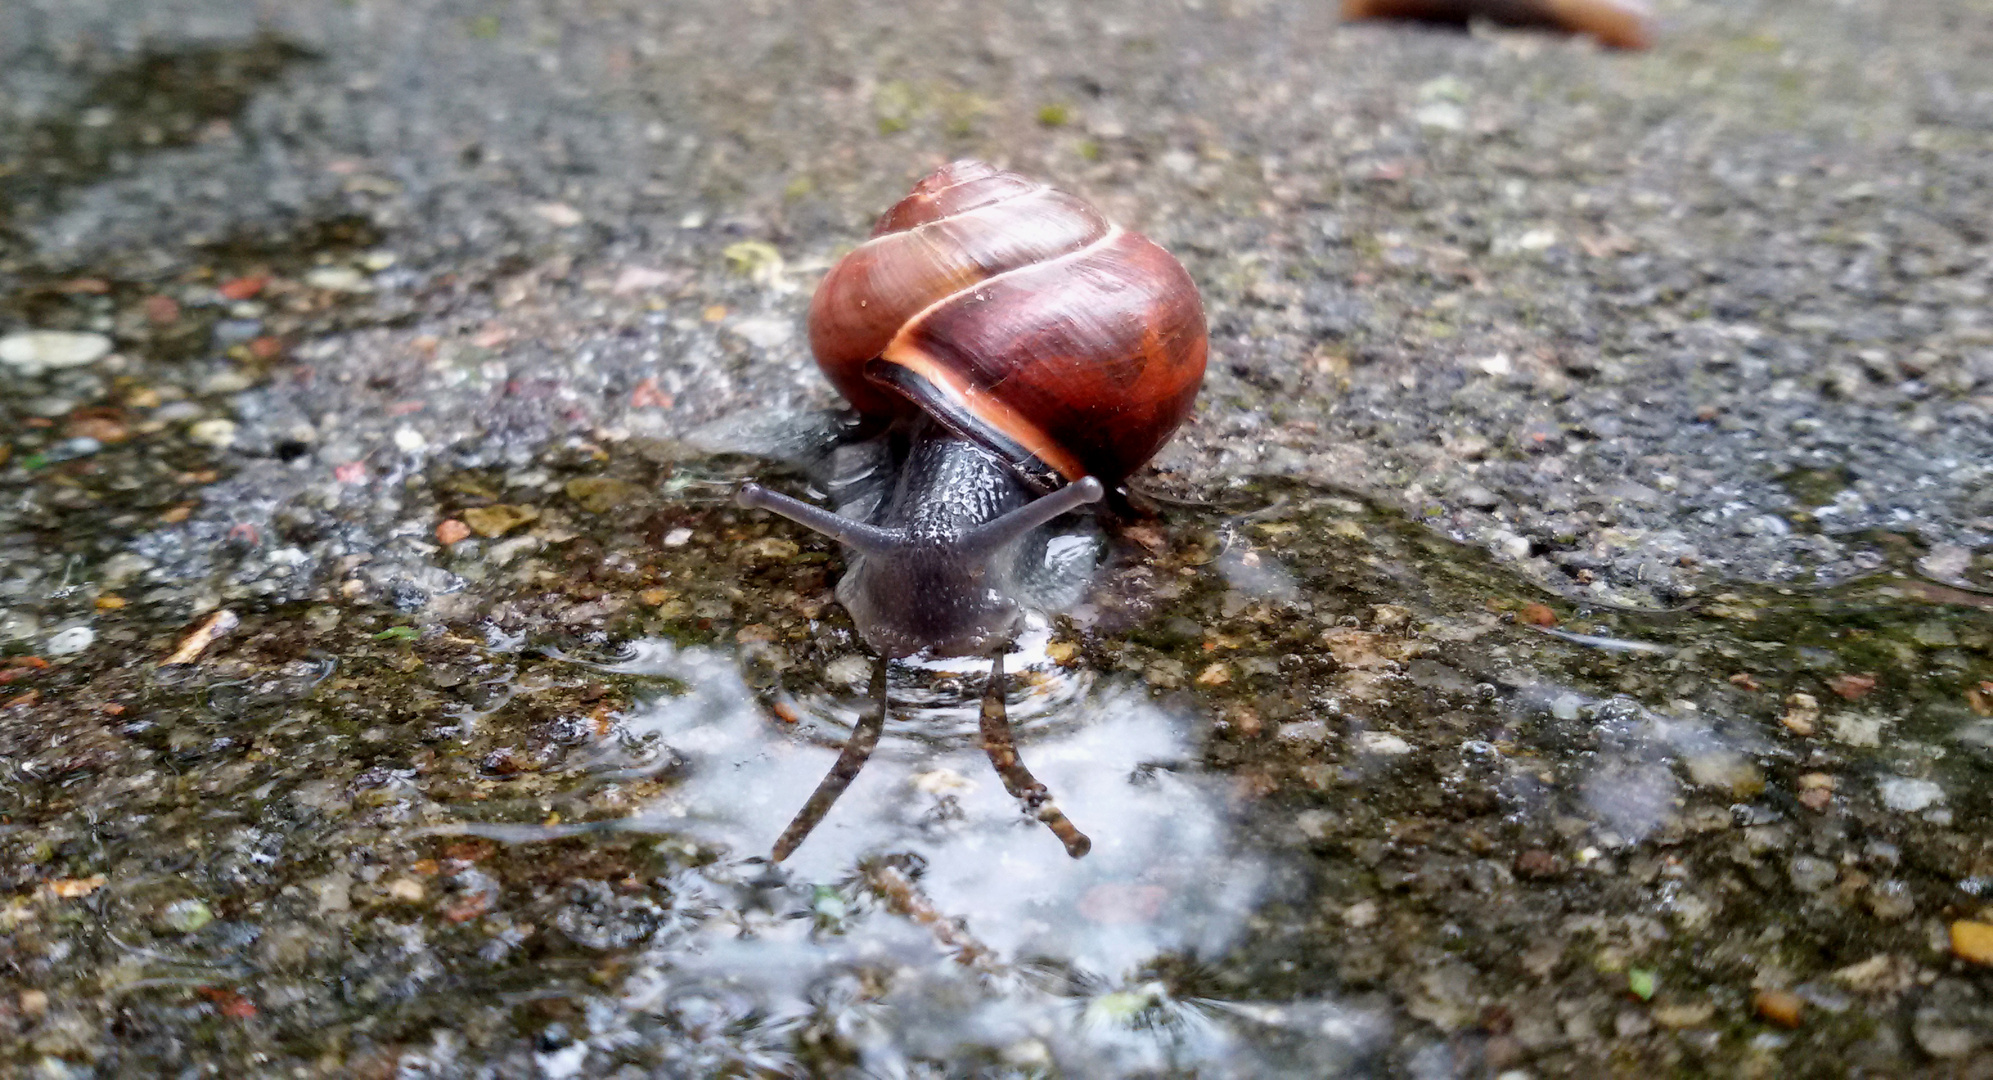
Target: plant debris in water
1353	811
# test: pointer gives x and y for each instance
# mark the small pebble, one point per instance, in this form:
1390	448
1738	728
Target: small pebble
243	288
162	310
185	916
1679	1015
1852	687
177	411
1536	863
1811	875
71	449
338	279
774	548
1781	1007
601	494
1907	795
1802	714
678	537
451	531
560	215
1361	914
765	333
496	521
217	433
1441	116
236	331
227	382
1890	900
1972	941
34	351
70	642
1382	743
639	279
101	429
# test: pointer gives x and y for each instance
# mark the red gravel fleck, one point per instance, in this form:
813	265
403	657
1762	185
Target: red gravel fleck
1150	537
87	286
648	396
1538	615
1981	698
1538	863
228	1002
468	908
162	310
102	425
266	347
470	851
244	288
1852	687
353	472
449	531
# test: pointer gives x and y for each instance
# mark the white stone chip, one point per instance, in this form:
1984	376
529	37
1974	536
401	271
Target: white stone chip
35	351
1908	795
70	642
216	433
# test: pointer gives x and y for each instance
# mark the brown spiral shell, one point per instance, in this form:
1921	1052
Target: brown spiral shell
1618	24
1018	316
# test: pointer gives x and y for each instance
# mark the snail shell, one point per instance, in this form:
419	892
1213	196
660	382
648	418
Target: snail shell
1020	318
1619	24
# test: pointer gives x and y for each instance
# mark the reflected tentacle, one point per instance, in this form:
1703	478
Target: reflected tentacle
1001	747
858	748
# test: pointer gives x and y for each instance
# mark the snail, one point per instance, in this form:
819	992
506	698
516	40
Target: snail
1018	356
1619	24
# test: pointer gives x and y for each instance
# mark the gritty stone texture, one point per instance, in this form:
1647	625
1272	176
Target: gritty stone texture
1645	329
1636	322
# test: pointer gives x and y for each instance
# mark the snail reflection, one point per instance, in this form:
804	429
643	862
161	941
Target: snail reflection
1012	356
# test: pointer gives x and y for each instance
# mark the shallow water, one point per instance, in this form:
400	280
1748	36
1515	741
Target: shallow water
1355	810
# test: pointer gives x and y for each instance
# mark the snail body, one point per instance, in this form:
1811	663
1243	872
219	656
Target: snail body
1024	355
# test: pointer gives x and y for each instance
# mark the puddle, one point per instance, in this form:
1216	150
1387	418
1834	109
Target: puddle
1360	803
926	885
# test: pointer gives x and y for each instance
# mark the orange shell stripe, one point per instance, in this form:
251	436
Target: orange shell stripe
982	404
